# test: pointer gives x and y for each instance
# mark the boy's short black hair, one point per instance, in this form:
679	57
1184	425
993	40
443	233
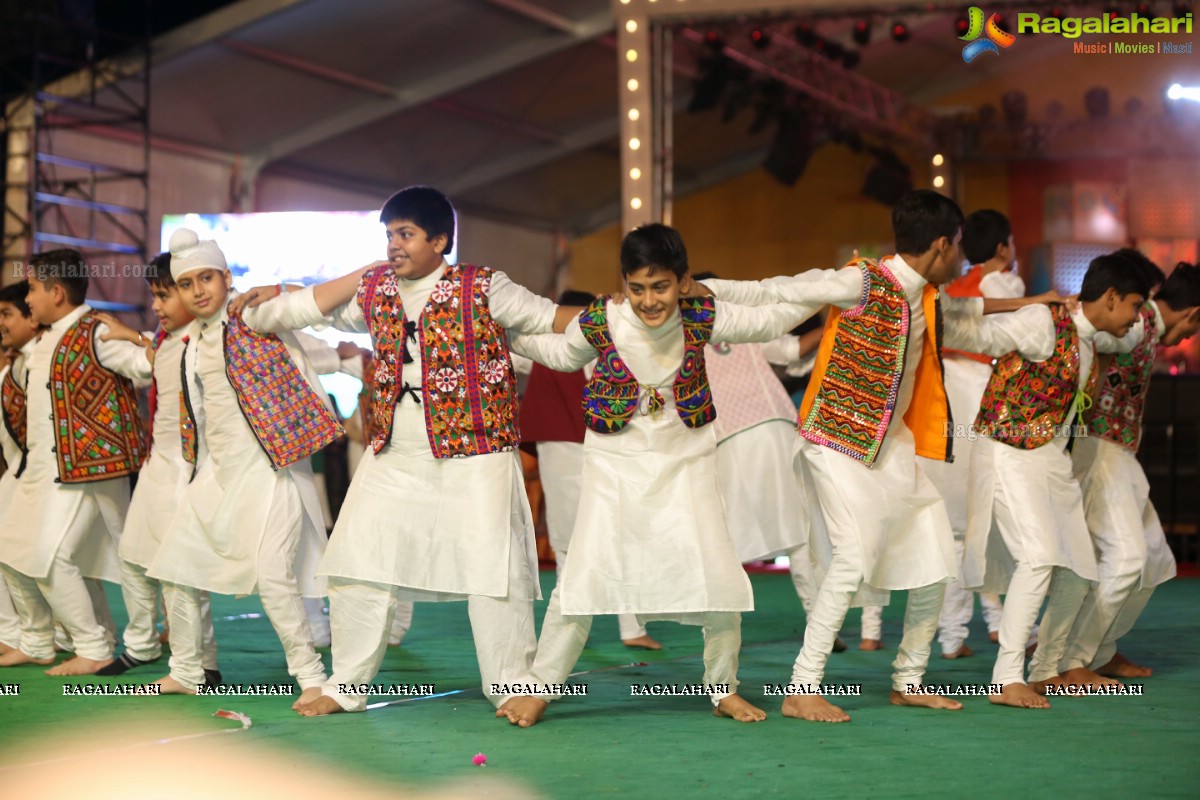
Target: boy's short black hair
428	209
1112	272
65	268
921	217
15	293
655	245
1181	289
983	232
1154	275
159	275
576	297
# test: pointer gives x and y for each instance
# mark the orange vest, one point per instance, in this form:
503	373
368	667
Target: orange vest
859	366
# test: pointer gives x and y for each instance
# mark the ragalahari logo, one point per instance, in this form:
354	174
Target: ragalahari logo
994	39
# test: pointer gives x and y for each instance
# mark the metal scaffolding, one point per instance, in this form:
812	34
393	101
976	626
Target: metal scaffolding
62	187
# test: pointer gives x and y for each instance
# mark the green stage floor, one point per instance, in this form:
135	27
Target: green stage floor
610	744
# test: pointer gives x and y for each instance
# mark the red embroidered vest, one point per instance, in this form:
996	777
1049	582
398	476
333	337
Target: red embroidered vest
852	394
1026	402
550	406
612	394
12	399
159	336
286	414
187	419
1117	415
468	389
98	431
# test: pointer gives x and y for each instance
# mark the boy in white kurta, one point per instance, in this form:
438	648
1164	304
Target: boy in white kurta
1026	524
250	521
162	482
18	335
436	510
988	245
885	525
1131	550
650	537
84	439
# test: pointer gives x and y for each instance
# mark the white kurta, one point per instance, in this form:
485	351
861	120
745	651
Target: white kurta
898	515
439	528
756	430
41	512
1034	489
651	537
214	538
163	478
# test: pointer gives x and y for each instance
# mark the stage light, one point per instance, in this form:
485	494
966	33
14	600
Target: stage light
635	174
760	39
862	32
635	143
714	41
938	181
631	56
900	32
631	26
634	114
1057	13
635	203
805	34
1180	92
1096	102
631	84
938	160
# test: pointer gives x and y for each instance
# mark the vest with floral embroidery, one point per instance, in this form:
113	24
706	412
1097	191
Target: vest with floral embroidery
1026	402
98	431
468	388
13	401
287	416
611	395
860	364
1117	415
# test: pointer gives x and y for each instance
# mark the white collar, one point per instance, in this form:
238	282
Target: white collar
909	278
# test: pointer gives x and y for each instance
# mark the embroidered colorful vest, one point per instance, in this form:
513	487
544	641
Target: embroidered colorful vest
851	397
967	286
13	401
1026	402
612	394
1117	415
98	432
468	388
287	416
187	419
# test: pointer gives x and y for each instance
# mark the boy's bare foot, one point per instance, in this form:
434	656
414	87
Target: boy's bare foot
5	649
962	652
306	696
169	685
523	711
735	707
870	644
925	701
15	658
994	637
320	707
1018	695
79	666
1121	667
646	642
813	707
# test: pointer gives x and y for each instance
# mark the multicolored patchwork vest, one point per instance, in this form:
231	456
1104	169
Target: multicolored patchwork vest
12	399
852	394
468	388
612	394
288	417
1026	402
1117	415
98	431
187	419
